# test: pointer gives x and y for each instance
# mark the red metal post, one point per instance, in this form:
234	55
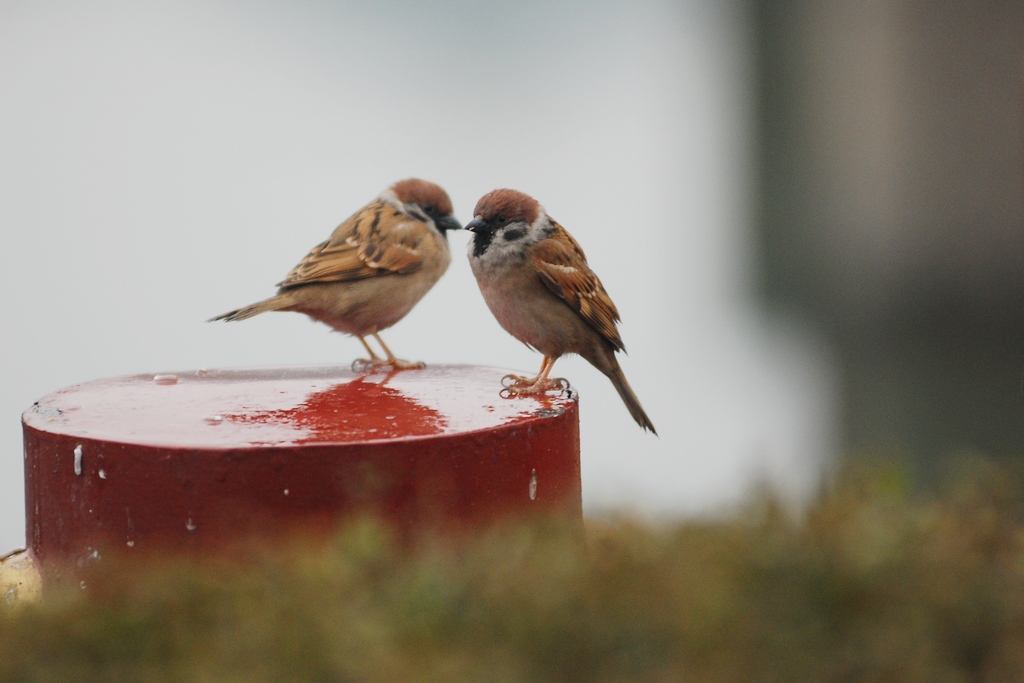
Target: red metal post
197	460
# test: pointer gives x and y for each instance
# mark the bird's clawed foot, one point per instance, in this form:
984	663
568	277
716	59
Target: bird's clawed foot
510	380
375	362
522	386
399	364
364	364
517	385
387	364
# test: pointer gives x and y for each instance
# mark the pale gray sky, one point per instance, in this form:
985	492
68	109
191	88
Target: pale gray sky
161	163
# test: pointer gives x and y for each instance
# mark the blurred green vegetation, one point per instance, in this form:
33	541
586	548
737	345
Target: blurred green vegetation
874	581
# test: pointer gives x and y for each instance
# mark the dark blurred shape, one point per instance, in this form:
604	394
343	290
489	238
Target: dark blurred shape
891	195
873	583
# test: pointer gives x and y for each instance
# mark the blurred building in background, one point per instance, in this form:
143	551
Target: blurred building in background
890	211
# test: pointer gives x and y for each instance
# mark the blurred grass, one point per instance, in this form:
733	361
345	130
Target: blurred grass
875	581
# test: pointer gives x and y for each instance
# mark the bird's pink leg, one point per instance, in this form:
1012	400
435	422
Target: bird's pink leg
366	363
511	381
396	363
521	386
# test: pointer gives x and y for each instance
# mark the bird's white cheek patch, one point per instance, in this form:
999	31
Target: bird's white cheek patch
501	252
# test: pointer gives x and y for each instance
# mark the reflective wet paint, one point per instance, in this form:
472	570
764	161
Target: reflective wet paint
287	406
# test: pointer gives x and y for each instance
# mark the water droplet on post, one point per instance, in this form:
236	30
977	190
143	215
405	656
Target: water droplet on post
103	475
214	419
533	485
190	525
78	459
165	379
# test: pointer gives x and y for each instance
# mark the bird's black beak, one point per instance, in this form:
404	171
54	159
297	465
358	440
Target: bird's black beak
476	224
448	223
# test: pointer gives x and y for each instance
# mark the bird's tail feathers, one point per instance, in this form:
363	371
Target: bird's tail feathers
618	379
274	303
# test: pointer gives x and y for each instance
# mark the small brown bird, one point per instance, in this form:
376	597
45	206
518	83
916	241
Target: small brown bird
536	281
375	267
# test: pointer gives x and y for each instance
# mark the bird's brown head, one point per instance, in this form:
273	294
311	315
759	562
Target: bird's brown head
504	217
500	207
428	198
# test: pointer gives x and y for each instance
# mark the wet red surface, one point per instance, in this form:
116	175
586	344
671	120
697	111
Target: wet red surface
196	459
349	411
281	406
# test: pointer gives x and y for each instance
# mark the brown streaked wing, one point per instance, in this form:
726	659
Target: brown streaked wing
563	268
377	240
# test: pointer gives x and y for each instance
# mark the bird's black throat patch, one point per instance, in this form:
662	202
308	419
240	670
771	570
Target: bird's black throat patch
481	241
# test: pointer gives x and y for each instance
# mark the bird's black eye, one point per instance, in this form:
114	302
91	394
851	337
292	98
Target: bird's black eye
429	208
501	219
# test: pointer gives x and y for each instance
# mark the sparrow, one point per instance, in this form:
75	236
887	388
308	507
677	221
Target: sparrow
374	268
536	281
